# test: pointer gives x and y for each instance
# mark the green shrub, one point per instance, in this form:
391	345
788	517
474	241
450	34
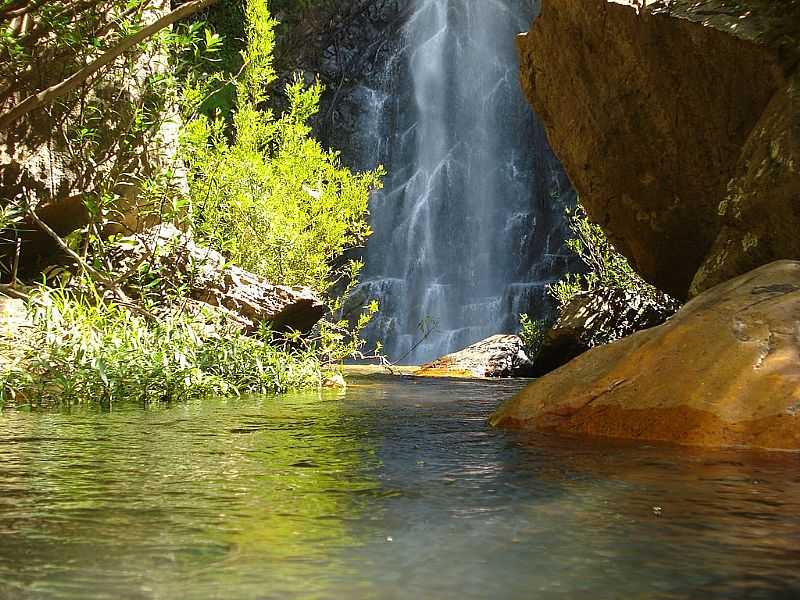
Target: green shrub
272	199
605	266
77	351
532	335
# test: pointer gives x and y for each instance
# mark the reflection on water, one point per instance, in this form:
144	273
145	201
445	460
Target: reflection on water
398	490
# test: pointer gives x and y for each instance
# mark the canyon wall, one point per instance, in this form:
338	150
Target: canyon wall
678	126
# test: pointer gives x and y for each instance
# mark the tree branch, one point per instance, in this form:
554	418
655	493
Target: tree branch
17	9
90	271
75	81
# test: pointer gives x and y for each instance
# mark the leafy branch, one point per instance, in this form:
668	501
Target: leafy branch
73	82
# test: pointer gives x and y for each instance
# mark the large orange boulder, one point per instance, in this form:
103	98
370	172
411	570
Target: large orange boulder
724	371
677	125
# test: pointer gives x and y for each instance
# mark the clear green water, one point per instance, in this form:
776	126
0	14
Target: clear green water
398	489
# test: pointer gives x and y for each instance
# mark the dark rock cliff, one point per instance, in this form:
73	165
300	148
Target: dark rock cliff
351	45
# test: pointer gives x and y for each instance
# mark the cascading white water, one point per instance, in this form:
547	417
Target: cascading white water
468	231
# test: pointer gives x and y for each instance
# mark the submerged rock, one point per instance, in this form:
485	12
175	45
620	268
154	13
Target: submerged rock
497	356
677	126
172	258
724	371
334	381
596	318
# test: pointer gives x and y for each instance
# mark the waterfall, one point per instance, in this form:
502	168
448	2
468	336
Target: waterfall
469	228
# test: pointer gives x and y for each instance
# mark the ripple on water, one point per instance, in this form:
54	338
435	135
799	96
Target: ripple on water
399	489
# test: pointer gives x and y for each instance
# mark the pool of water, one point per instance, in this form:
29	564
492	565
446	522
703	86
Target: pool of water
395	489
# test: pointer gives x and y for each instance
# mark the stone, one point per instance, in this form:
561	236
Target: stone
761	213
334	381
497	356
654	114
177	260
13	316
598	317
724	371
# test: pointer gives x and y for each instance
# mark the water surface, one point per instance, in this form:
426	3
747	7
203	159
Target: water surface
398	489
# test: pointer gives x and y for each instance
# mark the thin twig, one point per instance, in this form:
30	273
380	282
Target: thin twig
15	267
13	292
91	271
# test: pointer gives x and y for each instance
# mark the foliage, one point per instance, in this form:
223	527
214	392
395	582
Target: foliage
532	335
62	36
272	199
261	190
78	351
108	137
606	267
216	80
569	286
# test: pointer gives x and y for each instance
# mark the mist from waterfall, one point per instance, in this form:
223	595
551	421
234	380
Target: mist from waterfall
469	229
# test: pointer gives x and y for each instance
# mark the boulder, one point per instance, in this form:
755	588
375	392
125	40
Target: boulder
171	258
654	113
761	214
497	356
598	317
13	317
724	371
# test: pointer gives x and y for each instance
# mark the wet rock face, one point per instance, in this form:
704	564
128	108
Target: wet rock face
724	371
658	116
469	228
596	318
351	46
497	356
246	298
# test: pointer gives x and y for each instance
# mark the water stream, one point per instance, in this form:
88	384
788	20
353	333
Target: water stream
396	489
470	227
